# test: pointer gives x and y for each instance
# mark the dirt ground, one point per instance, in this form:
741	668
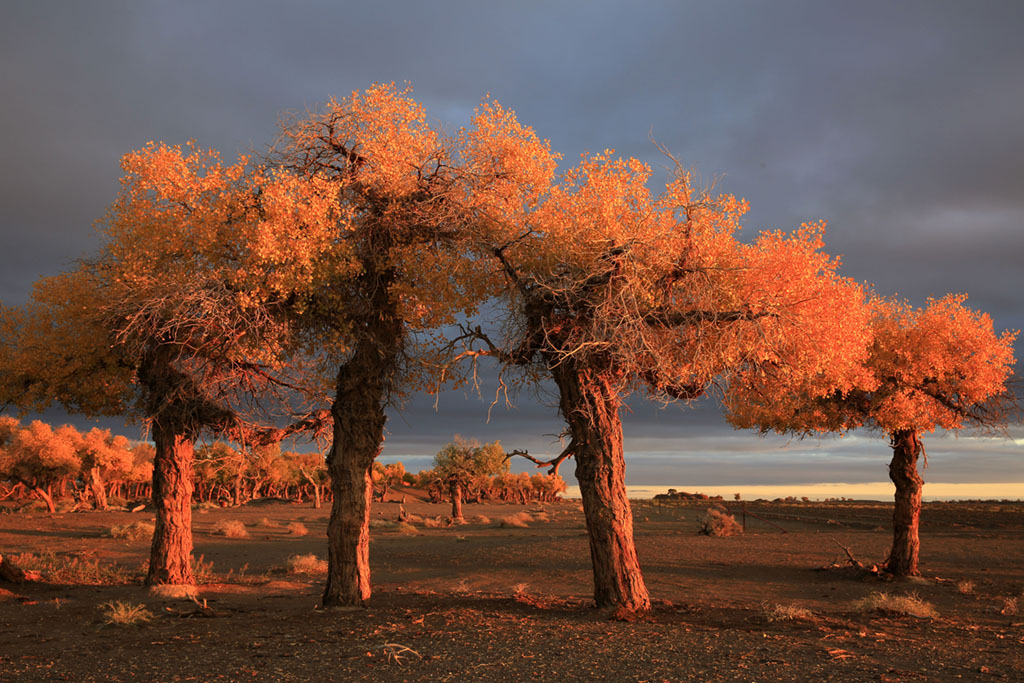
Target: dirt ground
486	603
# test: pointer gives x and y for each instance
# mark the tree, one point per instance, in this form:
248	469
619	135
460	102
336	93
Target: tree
387	476
102	455
371	259
938	366
167	324
37	456
611	289
460	461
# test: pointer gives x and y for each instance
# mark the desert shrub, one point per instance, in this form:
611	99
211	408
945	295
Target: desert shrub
407	529
135	531
297	529
268	523
481	519
965	587
541	517
1009	607
718	523
910	605
306	564
120	613
520	520
776	612
433	523
413	519
232	528
72	569
202	570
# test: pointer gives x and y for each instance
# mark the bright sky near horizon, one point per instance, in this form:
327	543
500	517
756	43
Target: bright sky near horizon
899	123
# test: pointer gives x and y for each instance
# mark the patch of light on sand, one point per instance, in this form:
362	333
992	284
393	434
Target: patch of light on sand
881	490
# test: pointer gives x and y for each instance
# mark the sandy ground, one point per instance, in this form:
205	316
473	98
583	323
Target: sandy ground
481	602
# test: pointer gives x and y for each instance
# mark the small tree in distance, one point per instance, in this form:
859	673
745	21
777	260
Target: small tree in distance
940	366
461	461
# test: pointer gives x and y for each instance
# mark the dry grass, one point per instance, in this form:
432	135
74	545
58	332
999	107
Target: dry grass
297	529
232	528
433	523
407	529
541	517
384	524
520	520
306	564
965	587
910	605
413	519
202	571
775	612
269	524
135	531
718	523
72	569
1009	607
173	591
481	519
120	613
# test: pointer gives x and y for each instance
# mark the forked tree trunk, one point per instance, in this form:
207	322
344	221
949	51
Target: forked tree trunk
45	496
99	492
359	418
590	404
906	514
170	558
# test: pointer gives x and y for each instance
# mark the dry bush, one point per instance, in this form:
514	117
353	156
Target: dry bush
297	529
541	517
120	613
72	569
1009	607
519	591
135	531
232	528
520	520
269	524
910	605
433	523
481	519
202	571
775	612
407	529
306	564
965	587
718	523
413	519
383	524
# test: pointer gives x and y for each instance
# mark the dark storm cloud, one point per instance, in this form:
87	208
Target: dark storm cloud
899	123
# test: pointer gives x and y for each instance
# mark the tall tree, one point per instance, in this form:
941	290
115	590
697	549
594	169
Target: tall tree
941	366
460	461
612	289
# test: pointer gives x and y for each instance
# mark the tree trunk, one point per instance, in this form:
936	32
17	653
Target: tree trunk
46	497
455	488
359	418
170	558
906	515
99	492
590	404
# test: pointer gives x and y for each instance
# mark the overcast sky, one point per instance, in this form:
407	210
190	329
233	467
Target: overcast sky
901	124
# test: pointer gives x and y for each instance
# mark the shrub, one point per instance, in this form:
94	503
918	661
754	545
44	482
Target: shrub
120	613
306	564
297	529
1009	607
72	569
718	523
407	529
785	612
136	531
269	523
481	519
232	528
433	523
965	587
413	519
910	605
520	520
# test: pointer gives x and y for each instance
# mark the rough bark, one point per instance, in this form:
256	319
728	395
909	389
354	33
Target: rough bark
455	488
590	405
906	516
99	491
170	558
359	418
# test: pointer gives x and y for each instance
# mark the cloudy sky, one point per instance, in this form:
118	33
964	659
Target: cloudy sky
898	123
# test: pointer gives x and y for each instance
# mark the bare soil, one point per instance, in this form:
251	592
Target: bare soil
481	602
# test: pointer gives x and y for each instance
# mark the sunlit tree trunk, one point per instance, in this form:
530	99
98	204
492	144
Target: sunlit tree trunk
359	418
47	497
590	404
170	558
906	516
99	492
455	489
